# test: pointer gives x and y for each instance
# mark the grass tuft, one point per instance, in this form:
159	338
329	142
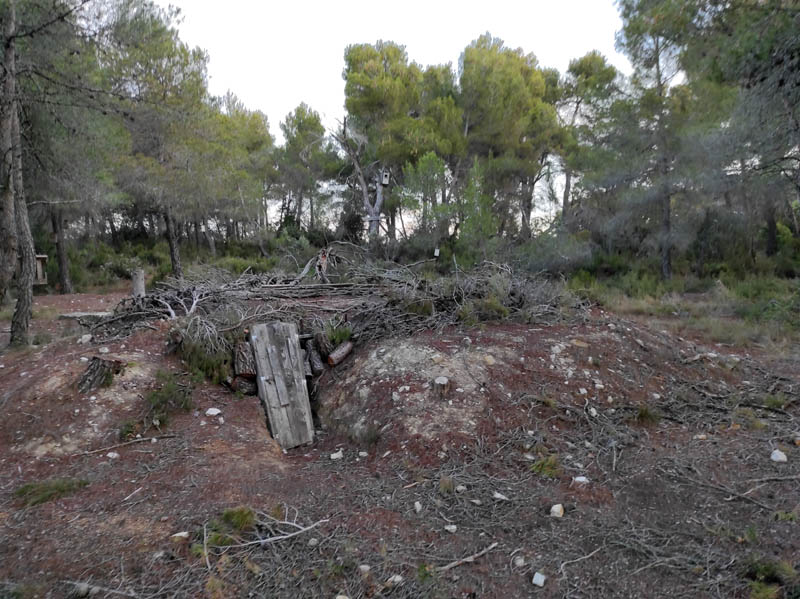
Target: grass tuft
47	490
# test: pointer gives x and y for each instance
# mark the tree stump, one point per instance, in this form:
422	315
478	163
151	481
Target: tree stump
340	353
441	387
138	282
99	373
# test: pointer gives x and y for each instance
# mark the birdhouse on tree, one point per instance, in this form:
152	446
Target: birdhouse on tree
385	177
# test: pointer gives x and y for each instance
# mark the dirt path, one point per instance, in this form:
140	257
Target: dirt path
680	497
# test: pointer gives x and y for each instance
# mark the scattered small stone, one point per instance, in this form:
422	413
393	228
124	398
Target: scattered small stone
592	412
499	496
213	412
519	561
84	359
700	437
579	343
112	455
93	398
342	597
581	480
159	554
180	537
582	391
539	579
489	359
476	501
203	423
656	396
103	350
404	389
85	339
394	580
363	454
461	488
417	507
337	455
221	420
451	528
364	569
312	542
81	589
778	456
557	511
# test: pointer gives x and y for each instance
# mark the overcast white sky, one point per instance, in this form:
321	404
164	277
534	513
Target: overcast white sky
274	55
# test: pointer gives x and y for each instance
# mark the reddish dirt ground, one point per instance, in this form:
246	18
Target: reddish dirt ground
674	437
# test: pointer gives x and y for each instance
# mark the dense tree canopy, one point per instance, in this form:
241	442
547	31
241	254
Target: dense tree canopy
108	131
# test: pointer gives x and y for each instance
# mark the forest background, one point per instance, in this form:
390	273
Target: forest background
681	178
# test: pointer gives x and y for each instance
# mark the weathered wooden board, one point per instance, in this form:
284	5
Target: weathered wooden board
281	382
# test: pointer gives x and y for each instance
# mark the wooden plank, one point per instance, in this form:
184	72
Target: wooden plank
281	382
304	426
267	392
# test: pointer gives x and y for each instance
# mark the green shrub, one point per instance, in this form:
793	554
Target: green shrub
239	518
236	265
338	334
216	367
646	415
170	396
547	466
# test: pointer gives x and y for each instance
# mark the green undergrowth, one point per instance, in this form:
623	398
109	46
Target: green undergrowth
173	394
36	493
753	309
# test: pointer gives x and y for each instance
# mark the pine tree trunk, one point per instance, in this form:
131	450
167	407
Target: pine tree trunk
392	228
666	242
210	239
772	231
21	321
8	107
64	281
174	248
374	211
565	203
527	208
113	228
298	217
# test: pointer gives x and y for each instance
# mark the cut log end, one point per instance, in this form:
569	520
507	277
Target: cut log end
441	387
340	353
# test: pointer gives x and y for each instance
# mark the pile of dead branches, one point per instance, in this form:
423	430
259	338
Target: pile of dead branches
212	309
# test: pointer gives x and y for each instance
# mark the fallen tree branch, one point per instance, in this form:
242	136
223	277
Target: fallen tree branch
466	560
142	440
